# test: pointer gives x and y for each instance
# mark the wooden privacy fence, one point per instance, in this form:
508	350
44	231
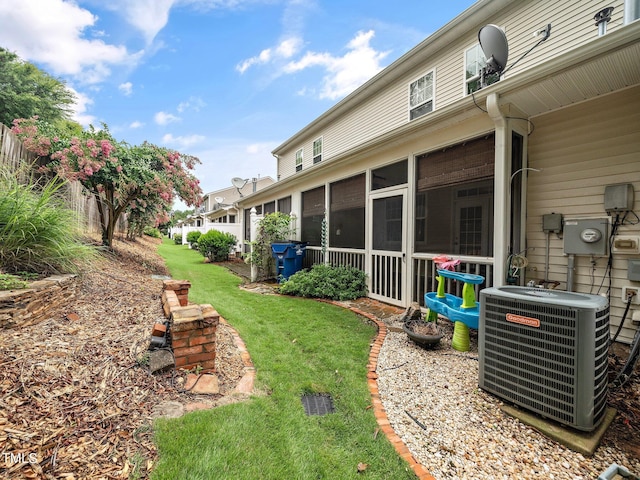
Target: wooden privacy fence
15	157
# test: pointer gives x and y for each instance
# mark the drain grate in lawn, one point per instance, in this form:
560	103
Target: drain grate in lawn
317	403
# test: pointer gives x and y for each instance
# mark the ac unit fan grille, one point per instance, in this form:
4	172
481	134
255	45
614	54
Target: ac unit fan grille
537	367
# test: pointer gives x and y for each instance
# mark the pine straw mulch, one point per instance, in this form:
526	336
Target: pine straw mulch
77	399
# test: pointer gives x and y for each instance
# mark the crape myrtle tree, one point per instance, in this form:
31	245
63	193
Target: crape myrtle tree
143	179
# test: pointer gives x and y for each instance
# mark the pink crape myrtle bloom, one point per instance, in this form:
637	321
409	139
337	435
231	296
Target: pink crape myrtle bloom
446	263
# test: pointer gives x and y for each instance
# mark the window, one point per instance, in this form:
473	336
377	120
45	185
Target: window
232	219
299	160
421	96
474	62
317	151
454	199
313	209
347	212
389	175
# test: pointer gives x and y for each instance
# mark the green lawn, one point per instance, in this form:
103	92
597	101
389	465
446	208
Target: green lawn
297	346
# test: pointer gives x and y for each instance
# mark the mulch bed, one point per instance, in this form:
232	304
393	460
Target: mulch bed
77	397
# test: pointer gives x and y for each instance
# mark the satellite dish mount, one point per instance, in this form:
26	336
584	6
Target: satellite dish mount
239	183
495	47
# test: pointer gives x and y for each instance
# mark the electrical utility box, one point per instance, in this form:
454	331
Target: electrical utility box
618	198
586	236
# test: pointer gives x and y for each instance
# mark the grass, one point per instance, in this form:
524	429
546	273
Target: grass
298	346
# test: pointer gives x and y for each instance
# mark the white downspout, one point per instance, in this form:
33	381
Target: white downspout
501	190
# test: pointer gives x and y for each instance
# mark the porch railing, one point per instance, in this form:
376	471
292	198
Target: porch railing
336	256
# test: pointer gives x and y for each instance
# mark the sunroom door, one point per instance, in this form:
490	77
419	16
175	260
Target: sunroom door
387	275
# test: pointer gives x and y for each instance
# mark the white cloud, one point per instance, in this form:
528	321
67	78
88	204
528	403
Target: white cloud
80	108
182	141
345	73
164	118
55	37
193	103
147	16
284	50
126	88
136	124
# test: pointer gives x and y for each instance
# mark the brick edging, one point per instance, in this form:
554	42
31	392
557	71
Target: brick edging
381	416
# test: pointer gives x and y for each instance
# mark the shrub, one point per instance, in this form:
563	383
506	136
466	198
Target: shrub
152	232
325	281
216	245
193	236
177	239
39	233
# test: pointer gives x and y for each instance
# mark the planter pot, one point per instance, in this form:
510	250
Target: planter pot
413	331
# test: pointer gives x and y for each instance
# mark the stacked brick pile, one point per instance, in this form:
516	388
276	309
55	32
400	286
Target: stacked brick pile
193	327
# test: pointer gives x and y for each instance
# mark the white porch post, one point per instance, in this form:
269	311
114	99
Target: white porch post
501	190
253	220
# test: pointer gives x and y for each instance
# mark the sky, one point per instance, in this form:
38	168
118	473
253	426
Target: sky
224	80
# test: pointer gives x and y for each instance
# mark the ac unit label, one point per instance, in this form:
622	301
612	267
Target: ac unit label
528	321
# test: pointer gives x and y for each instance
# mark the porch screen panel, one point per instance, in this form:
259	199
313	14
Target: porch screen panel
347	213
269	207
453	186
313	208
284	205
469	161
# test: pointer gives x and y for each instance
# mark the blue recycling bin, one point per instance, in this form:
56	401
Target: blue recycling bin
288	257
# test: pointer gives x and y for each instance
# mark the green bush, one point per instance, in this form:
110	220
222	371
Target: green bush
193	236
216	245
177	238
39	233
325	281
152	232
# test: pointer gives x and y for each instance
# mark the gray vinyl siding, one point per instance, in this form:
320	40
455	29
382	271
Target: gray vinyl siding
581	150
387	108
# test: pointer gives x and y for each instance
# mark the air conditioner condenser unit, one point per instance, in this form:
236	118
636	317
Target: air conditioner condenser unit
546	351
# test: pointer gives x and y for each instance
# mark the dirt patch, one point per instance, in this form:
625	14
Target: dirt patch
77	397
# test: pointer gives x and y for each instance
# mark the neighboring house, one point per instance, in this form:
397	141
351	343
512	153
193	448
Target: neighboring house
219	211
419	161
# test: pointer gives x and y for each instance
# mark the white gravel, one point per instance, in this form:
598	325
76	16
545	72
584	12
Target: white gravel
466	435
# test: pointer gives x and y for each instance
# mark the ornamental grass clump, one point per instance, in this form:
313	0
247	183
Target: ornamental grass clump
39	232
325	281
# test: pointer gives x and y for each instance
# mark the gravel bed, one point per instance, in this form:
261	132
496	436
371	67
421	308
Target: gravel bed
462	432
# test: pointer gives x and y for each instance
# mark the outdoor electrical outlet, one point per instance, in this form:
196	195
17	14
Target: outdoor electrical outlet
633	292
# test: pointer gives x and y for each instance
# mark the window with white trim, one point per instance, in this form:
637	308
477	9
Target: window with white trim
299	160
421	96
317	150
474	62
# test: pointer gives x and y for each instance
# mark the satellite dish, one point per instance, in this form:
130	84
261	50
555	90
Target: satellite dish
219	199
493	42
239	182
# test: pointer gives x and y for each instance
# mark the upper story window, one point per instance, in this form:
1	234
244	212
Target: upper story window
421	96
317	150
474	62
299	160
